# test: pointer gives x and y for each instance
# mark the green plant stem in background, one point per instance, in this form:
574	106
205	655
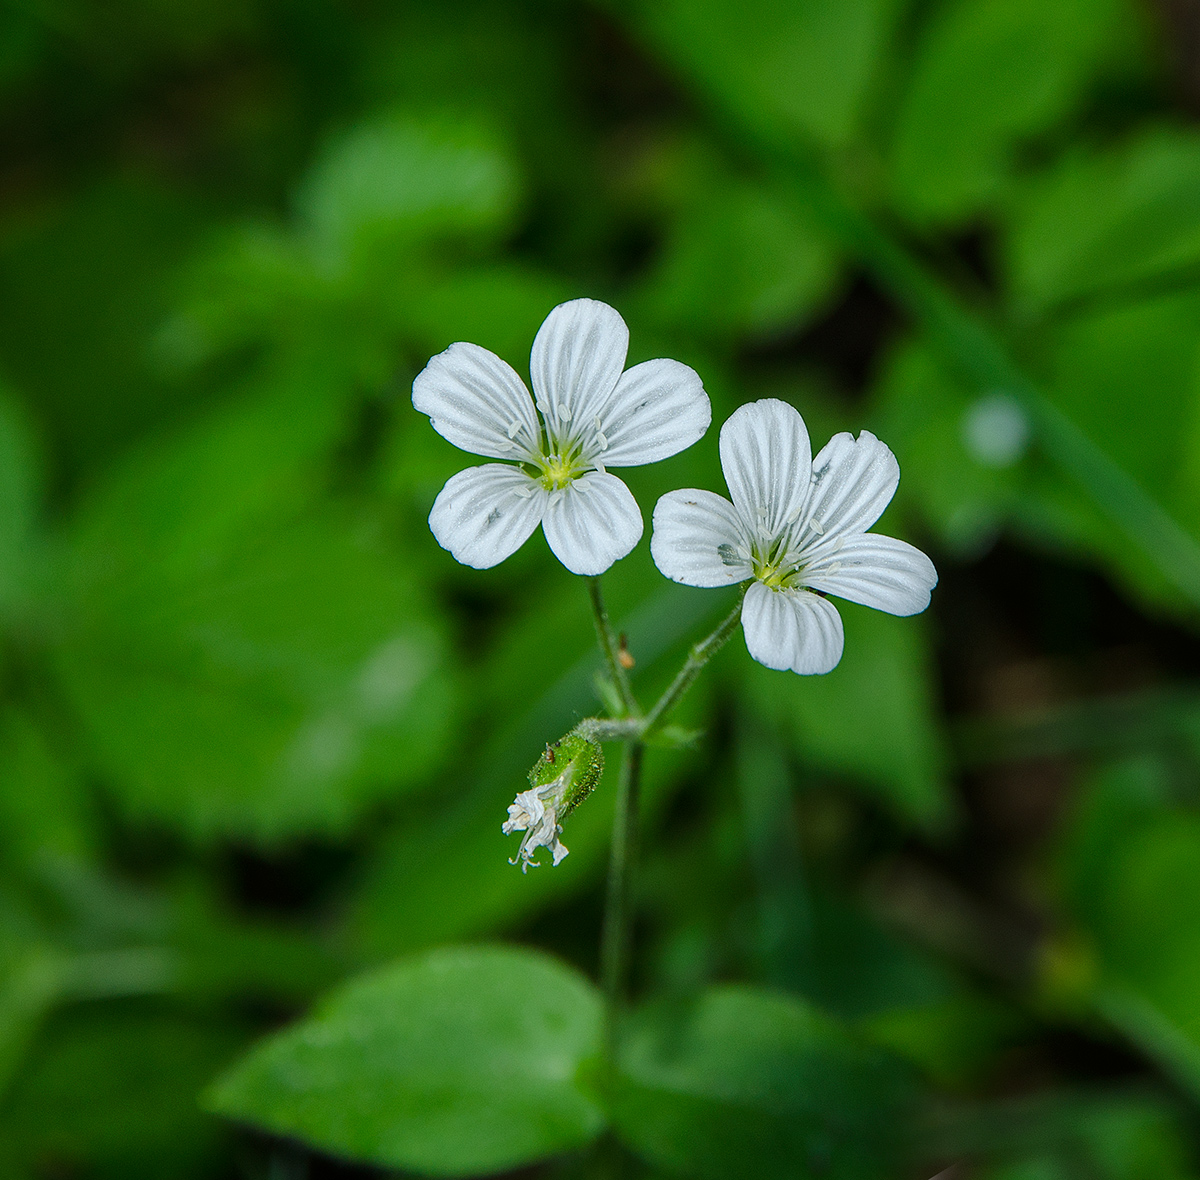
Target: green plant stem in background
617	933
608	645
982	359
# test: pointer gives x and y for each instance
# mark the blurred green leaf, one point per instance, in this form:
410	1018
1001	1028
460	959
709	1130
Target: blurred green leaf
751	1083
112	1094
19	494
243	662
770	263
884	674
987	75
467	1060
1102	1133
1117	801
1130	377
954	1041
399	178
801	67
1146	926
44	810
82	288
1105	221
965	494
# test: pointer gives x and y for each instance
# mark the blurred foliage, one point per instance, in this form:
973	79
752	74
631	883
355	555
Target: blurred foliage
257	731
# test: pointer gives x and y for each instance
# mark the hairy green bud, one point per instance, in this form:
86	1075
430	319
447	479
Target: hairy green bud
565	775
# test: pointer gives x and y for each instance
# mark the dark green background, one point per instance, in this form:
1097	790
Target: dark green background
258	732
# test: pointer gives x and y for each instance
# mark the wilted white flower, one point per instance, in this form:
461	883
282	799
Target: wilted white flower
593	416
798	526
535	812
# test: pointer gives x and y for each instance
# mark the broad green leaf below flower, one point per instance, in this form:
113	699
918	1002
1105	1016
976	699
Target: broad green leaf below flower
465	1061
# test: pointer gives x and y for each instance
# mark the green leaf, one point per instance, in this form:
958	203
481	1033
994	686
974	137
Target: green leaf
885	674
44	811
1102	222
750	1083
926	415
398	178
112	1094
770	263
224	683
82	287
19	479
787	66
987	75
1146	926
467	1060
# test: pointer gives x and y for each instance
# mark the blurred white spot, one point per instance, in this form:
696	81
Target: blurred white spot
388	677
996	430
324	749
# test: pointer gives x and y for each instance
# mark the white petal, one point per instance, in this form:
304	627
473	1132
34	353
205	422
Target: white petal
698	539
877	571
577	358
485	514
853	482
658	408
767	461
592	522
792	629
478	402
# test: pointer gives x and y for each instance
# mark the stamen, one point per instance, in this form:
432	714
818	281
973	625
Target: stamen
514	430
603	442
817	527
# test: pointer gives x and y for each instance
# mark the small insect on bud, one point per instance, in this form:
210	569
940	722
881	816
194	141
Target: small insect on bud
565	774
624	655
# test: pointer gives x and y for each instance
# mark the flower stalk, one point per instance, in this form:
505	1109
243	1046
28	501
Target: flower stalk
617	934
608	647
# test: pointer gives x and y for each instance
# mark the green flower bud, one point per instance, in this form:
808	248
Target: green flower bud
565	775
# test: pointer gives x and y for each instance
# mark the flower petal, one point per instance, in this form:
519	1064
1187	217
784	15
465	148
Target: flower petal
767	460
485	514
877	571
592	522
698	539
658	408
478	402
792	629
853	482
577	358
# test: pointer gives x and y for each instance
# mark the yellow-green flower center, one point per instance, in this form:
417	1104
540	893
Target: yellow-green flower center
558	470
774	567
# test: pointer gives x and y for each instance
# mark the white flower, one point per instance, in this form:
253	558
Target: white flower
593	416
535	812
798	526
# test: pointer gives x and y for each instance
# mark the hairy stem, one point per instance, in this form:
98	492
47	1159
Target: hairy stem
608	645
618	916
700	654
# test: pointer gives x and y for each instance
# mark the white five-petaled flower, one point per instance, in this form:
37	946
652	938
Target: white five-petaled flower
593	416
535	812
798	526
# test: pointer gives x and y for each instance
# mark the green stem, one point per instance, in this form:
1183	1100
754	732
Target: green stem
700	654
608	645
981	359
618	916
